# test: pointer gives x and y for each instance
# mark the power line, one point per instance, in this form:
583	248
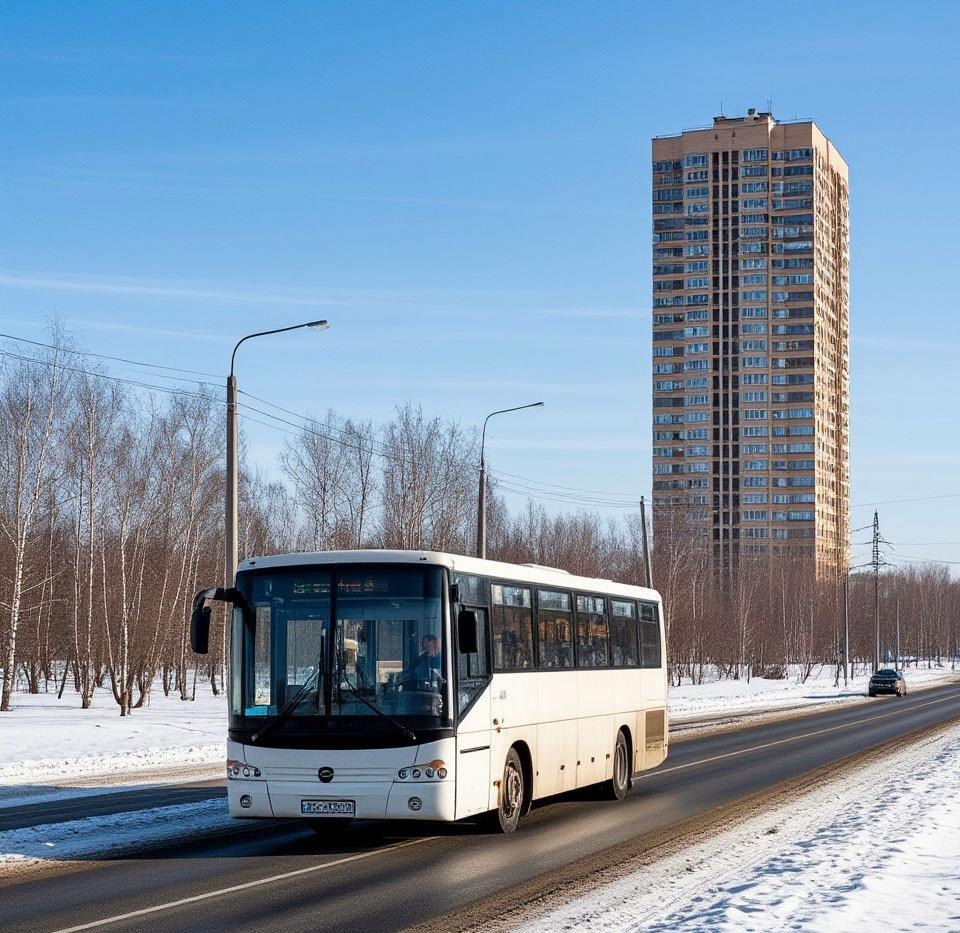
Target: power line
600	492
133	382
104	356
947	495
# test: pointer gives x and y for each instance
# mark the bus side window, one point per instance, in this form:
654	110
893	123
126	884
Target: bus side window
593	637
473	590
649	635
623	633
555	630
512	618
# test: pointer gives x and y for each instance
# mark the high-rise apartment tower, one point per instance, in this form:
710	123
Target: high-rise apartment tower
751	336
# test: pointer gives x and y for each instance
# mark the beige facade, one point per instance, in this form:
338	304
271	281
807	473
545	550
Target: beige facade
751	336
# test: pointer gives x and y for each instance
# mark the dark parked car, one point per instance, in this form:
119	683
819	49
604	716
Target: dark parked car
887	681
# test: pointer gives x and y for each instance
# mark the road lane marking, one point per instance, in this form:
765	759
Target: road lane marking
792	738
243	887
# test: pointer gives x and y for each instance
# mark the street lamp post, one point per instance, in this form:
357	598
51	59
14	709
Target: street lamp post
482	504
230	500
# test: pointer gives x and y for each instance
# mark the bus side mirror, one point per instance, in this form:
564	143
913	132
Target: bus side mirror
200	617
200	622
467	631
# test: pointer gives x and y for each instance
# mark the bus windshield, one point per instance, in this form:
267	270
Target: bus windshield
383	655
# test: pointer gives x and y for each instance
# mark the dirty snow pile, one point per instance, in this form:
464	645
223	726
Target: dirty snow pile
878	850
716	696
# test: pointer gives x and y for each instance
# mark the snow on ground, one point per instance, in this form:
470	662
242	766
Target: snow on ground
103	836
879	849
739	696
45	741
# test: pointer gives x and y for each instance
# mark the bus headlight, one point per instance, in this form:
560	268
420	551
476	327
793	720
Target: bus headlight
402	774
237	769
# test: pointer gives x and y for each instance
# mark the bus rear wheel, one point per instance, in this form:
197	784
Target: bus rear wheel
618	785
506	817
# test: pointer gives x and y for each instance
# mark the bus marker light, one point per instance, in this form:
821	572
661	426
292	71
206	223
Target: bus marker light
246	801
414	803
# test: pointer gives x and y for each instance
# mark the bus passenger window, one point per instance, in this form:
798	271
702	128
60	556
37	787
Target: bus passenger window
623	633
592	633
555	630
512	620
649	635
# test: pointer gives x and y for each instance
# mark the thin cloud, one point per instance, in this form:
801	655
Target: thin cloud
144	288
147	330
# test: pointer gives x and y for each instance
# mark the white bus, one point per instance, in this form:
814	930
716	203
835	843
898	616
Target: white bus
419	685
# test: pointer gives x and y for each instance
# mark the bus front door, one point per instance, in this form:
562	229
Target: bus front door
473	732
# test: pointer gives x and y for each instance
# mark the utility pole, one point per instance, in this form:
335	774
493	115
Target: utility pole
875	561
646	546
846	626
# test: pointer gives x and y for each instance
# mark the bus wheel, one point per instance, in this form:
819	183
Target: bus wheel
618	785
507	815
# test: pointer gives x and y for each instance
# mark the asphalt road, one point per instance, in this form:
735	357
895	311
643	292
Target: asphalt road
391	876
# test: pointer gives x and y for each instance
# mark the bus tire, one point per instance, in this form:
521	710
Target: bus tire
618	785
506	817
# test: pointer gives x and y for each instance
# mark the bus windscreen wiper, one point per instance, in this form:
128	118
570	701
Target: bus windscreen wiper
396	722
288	708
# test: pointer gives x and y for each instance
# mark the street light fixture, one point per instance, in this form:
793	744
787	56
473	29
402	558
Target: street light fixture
482	504
231	507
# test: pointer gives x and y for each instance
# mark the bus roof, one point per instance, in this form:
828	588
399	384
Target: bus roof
526	573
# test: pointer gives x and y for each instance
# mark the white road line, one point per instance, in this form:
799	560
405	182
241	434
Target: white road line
243	887
792	738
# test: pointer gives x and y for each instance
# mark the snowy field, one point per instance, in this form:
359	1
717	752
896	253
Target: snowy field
878	850
45	742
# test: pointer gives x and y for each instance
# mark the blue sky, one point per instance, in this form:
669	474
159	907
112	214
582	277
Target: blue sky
463	189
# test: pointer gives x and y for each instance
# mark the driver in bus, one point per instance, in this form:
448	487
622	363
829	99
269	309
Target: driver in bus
427	666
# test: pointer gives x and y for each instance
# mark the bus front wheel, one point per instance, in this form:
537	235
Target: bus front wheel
506	817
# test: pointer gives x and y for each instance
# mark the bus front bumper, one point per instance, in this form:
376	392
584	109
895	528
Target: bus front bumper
407	800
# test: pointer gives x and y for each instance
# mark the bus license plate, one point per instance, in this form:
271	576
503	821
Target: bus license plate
328	807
